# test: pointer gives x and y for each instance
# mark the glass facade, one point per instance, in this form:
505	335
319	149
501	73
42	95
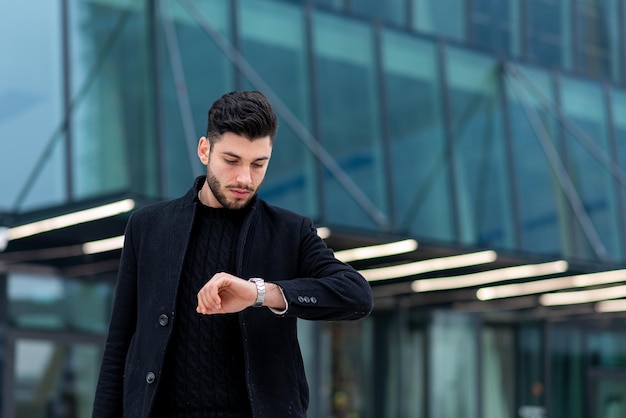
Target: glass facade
461	124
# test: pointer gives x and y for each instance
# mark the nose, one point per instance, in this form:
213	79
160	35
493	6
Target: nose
244	176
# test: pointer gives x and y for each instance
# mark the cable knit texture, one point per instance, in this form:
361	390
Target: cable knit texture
203	376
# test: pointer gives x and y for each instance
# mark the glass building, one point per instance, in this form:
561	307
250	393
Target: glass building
484	140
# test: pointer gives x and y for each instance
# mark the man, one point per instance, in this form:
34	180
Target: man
210	286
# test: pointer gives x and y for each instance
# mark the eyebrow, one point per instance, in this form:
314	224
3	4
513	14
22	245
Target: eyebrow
233	155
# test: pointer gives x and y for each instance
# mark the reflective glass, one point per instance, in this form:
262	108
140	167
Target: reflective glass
350	371
567	359
498	362
273	41
482	179
109	70
194	73
597	24
53	379
549	29
389	11
415	127
618	102
588	151
531	365
443	18
349	126
32	140
55	303
452	366
494	25
541	208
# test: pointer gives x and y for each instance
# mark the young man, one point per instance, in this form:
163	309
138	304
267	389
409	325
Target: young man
210	286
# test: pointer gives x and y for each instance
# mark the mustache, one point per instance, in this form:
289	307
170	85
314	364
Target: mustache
240	187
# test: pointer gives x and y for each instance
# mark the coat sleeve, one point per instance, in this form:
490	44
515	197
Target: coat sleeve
108	401
327	289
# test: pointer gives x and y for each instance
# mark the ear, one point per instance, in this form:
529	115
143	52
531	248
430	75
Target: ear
203	150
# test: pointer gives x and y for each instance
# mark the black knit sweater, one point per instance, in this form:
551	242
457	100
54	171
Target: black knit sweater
203	376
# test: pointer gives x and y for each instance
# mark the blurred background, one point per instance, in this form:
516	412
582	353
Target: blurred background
467	156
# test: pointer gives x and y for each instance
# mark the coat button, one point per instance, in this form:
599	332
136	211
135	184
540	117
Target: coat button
150	377
300	299
163	320
313	299
307	299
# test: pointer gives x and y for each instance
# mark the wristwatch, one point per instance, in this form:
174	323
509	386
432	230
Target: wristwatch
260	291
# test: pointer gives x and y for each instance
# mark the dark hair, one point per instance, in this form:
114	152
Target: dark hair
245	113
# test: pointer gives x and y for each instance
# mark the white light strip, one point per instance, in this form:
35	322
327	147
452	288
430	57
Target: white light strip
549	285
323	232
618	305
434	264
70	219
476	279
374	251
103	245
583	296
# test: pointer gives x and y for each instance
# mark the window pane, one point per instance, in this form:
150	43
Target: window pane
31	105
443	18
498	346
584	108
58	304
348	115
479	157
54	380
494	25
206	74
109	72
452	366
391	11
597	24
415	125
538	190
273	42
549	32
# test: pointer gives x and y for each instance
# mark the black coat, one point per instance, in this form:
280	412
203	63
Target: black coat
275	244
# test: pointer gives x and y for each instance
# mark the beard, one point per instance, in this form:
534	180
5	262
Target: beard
216	188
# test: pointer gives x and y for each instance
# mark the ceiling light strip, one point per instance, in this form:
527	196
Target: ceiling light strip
491	276
375	251
549	285
103	245
70	219
434	264
583	296
618	305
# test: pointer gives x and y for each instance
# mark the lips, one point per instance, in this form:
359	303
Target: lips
240	193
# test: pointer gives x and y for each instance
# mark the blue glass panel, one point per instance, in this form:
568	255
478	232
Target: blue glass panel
110	96
618	101
415	125
348	116
390	11
478	140
194	74
31	106
585	110
538	190
57	303
549	27
273	42
494	25
597	24
443	18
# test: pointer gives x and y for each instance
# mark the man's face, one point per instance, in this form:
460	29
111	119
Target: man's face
236	168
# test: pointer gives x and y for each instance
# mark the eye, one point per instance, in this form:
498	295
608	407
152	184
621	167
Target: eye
257	165
232	162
